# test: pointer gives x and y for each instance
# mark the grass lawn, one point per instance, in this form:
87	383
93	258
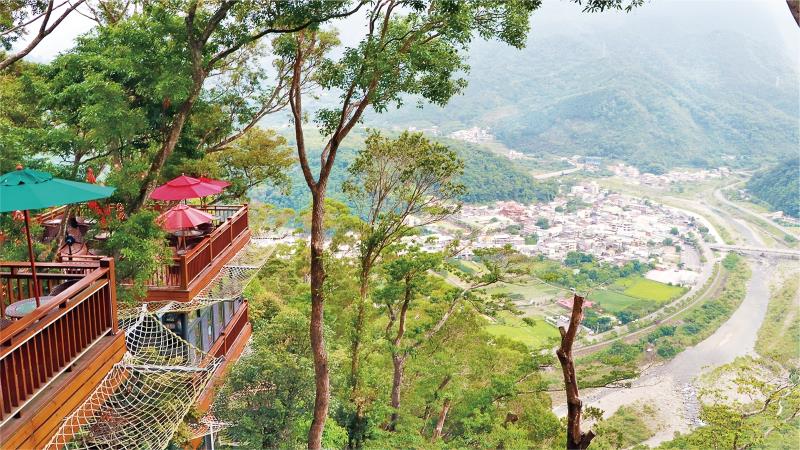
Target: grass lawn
613	301
532	291
650	290
512	327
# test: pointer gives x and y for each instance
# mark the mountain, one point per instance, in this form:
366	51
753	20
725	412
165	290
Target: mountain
779	187
645	90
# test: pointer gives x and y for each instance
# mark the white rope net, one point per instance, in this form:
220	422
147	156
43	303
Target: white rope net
207	425
143	400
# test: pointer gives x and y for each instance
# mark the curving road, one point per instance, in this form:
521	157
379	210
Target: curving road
720	196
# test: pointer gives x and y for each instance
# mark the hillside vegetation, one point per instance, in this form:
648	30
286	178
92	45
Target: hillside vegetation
673	101
779	187
489	178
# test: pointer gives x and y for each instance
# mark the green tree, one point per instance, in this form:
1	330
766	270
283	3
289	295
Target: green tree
258	156
390	182
139	247
543	223
268	395
410	48
408	278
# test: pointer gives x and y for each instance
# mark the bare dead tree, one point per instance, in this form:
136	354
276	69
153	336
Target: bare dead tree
576	439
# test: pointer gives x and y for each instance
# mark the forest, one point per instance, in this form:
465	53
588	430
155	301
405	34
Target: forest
639	91
776	188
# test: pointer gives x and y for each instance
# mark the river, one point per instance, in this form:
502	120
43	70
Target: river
668	387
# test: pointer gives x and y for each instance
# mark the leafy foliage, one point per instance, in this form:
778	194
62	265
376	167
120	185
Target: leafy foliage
139	248
490	178
779	187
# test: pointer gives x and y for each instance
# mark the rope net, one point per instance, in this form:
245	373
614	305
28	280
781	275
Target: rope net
141	402
207	425
227	285
144	398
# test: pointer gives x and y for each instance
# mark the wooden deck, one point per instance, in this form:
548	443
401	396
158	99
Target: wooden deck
53	357
191	272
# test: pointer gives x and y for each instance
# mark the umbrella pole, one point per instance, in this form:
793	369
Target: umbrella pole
31	256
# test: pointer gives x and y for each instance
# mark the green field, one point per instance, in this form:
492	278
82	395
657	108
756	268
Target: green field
512	327
651	290
613	301
636	293
531	291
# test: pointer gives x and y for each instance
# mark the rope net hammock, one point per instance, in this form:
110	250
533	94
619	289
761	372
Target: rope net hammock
143	400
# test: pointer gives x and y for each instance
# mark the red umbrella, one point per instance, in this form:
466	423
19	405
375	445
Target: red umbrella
183	216
184	187
220	183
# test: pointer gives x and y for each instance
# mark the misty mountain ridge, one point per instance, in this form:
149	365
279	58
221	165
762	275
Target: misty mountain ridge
685	99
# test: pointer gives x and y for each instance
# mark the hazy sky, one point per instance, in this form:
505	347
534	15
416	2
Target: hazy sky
764	20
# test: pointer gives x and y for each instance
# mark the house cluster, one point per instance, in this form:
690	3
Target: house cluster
633	176
612	227
474	135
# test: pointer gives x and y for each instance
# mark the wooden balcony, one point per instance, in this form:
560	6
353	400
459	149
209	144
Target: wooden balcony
190	272
67	330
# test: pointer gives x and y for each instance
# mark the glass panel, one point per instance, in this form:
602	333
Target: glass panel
219	319
228	311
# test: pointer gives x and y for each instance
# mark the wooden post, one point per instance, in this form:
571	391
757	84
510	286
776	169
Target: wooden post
184	271
108	263
576	439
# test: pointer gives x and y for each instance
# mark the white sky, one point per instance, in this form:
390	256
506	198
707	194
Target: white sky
766	20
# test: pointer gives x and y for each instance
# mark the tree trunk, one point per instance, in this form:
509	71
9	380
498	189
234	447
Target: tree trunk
437	432
576	439
358	325
322	381
398	361
429	406
173	135
794	8
44	31
358	423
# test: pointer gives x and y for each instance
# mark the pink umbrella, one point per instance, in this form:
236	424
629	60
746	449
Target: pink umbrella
220	183
184	187
181	217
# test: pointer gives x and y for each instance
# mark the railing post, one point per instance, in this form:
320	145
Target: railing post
184	272
108	263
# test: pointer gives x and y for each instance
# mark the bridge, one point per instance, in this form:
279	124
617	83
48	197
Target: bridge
758	251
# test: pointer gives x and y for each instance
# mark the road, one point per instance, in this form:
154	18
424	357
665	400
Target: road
558	173
758	250
720	196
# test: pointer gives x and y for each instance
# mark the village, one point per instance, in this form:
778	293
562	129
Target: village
612	227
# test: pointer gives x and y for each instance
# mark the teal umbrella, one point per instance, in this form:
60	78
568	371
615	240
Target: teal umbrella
26	189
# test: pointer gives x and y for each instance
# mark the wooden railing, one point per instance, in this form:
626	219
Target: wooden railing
186	268
38	347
